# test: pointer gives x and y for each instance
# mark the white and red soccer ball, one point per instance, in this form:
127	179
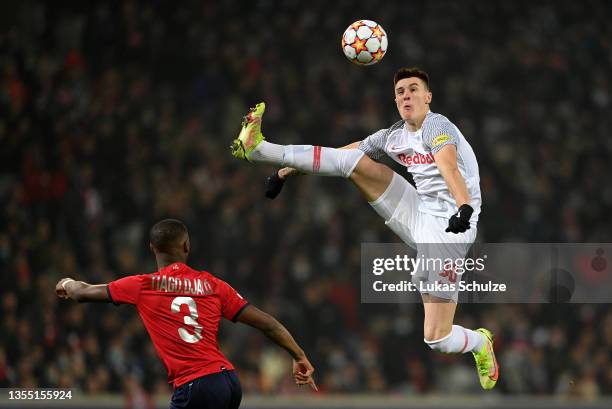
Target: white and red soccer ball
364	42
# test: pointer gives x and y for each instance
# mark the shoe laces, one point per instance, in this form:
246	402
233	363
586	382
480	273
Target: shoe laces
237	146
482	362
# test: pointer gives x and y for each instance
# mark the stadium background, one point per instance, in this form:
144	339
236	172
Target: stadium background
117	114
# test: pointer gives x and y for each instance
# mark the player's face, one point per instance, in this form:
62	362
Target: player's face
412	98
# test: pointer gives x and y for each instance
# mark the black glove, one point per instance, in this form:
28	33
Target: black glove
274	185
460	221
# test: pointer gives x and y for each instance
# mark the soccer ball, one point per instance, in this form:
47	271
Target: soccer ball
364	42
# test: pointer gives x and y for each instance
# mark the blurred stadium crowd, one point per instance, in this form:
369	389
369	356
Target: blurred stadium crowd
117	114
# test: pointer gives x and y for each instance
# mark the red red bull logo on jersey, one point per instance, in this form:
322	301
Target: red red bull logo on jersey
416	159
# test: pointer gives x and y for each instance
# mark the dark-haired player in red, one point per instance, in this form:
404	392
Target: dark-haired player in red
181	309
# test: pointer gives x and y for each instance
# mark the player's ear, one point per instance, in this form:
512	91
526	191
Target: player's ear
151	247
428	97
187	246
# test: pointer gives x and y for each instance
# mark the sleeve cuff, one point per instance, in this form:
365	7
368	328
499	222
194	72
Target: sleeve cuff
235	317
110	296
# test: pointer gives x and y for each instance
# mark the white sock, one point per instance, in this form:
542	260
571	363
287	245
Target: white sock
309	159
460	340
267	152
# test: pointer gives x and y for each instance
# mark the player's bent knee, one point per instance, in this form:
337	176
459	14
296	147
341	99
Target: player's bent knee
369	168
349	161
371	178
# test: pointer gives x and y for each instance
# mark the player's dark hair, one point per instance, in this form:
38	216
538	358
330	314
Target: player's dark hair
408	72
167	234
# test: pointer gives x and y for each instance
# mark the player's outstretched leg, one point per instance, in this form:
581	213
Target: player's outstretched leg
252	146
442	336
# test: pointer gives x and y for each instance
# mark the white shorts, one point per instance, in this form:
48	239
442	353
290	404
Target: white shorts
399	206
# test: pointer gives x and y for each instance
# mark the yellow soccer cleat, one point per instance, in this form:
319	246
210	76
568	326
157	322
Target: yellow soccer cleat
486	364
250	135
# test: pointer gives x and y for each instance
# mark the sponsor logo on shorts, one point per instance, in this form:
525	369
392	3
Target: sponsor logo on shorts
449	273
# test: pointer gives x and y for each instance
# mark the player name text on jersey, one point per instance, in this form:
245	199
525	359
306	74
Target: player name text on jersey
171	284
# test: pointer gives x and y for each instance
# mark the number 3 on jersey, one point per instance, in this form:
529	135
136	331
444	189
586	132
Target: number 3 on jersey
190	319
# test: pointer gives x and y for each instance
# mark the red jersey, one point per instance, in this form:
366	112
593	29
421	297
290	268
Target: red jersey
181	309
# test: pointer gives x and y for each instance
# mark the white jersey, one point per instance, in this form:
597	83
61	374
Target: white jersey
415	151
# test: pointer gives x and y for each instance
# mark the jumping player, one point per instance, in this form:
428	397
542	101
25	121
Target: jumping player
438	218
181	309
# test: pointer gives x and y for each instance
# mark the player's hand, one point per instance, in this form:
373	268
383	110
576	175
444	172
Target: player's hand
274	185
60	288
275	182
302	372
460	221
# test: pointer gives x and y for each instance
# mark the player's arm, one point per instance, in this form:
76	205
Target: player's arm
254	317
272	329
446	160
275	182
80	291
